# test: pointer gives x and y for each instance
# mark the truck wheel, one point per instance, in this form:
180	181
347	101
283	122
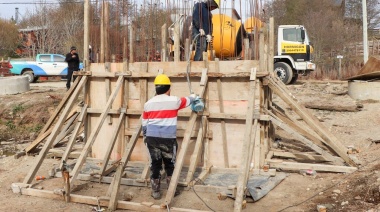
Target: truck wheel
30	76
294	79
284	72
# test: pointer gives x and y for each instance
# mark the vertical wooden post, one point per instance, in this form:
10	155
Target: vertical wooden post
131	43
187	49
177	43
106	32
66	180
107	67
102	32
246	49
221	110
164	38
86	32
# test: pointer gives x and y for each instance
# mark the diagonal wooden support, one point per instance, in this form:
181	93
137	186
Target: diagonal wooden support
242	180
112	143
197	149
304	140
39	139
59	108
66	129
95	133
185	144
29	177
328	138
71	142
113	189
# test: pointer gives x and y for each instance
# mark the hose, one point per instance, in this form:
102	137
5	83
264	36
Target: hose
188	62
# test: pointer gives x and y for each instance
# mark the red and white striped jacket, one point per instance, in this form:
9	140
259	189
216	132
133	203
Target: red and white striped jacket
160	115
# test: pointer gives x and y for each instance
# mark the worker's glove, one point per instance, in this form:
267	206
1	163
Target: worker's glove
193	96
202	32
209	38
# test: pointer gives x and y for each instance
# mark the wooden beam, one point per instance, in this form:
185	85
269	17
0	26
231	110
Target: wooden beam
101	201
302	156
328	138
114	187
94	133
242	180
66	129
71	142
292	166
164	38
57	110
112	142
304	140
39	139
222	122
182	151
197	149
177	45
107	84
38	161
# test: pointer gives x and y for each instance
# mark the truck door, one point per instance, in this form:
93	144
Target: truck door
59	64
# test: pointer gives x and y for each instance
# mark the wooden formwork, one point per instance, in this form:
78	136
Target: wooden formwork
235	131
234	134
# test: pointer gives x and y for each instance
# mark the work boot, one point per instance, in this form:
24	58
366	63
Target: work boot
168	178
156	183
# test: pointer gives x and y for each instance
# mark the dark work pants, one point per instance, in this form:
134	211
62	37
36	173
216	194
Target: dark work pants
69	76
201	45
161	150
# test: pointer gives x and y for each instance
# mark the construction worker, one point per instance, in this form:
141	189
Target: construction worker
159	124
202	25
72	59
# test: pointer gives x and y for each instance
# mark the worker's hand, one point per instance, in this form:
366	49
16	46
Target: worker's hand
209	38
202	32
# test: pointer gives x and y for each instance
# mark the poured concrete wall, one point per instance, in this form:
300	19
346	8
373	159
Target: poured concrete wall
14	85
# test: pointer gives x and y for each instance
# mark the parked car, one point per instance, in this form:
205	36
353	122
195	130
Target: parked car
46	65
5	67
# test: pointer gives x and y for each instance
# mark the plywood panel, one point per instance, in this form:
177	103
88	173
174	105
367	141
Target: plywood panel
235	95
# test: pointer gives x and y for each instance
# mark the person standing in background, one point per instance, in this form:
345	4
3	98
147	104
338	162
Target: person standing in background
72	59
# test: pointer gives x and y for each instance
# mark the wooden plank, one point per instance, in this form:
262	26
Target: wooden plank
38	161
182	152
295	125
57	110
107	84
242	180
304	140
101	201
301	156
164	38
328	138
197	149
39	139
222	122
112	142
177	45
70	144
293	166
94	133
113	190
66	129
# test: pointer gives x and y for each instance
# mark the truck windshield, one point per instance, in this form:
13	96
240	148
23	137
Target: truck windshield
292	34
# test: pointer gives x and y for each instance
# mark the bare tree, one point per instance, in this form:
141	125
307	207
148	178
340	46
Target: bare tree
8	37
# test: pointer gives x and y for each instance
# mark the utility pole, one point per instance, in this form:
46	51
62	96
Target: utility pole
365	34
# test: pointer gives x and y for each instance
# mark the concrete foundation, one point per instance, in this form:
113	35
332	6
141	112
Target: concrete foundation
363	90
14	85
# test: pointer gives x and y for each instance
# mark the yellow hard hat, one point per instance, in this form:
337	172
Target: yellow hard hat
162	79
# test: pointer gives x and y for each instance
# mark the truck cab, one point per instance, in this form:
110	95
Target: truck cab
294	53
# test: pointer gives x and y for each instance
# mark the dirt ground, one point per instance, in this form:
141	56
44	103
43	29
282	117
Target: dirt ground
22	116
